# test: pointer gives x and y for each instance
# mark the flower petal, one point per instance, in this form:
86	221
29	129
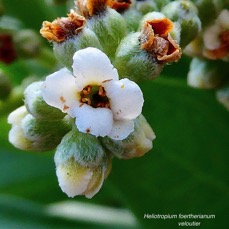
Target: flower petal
96	121
91	67
73	178
17	115
95	183
121	129
59	90
126	99
211	37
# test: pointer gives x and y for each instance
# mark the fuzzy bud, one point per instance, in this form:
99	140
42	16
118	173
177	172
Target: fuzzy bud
27	43
206	74
136	144
36	105
68	35
142	55
208	10
185	13
81	164
110	28
29	133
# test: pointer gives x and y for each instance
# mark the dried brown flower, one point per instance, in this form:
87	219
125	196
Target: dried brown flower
88	8
119	5
156	40
63	28
220	52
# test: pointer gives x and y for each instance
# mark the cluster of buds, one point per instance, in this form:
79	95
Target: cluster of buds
90	111
210	50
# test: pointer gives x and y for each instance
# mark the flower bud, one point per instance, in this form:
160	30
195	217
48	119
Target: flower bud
136	144
135	63
146	6
185	13
68	35
206	74
29	133
222	96
110	28
161	3
64	51
27	43
36	105
5	86
81	164
132	18
142	55
208	10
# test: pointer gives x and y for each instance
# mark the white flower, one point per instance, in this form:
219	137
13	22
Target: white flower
215	37
102	104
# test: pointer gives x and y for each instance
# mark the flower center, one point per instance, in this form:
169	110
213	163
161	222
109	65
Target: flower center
95	96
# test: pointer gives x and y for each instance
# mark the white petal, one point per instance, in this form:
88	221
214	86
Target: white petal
121	129
17	115
96	185
59	90
72	180
211	37
17	138
126	99
223	19
96	121
92	66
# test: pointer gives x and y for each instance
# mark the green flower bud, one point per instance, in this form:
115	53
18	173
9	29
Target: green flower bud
222	96
135	63
208	10
185	13
110	28
132	18
5	86
64	51
81	164
161	3
27	43
136	144
146	6
29	133
68	35
207	74
142	55
36	105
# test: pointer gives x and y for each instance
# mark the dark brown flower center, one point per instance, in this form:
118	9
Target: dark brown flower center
94	96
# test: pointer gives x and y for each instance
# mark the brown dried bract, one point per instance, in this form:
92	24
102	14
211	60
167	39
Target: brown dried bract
222	51
88	8
63	28
156	40
120	5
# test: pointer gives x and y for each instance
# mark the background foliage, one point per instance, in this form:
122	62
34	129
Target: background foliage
186	172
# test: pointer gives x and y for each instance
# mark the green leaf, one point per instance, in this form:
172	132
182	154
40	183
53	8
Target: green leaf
187	171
